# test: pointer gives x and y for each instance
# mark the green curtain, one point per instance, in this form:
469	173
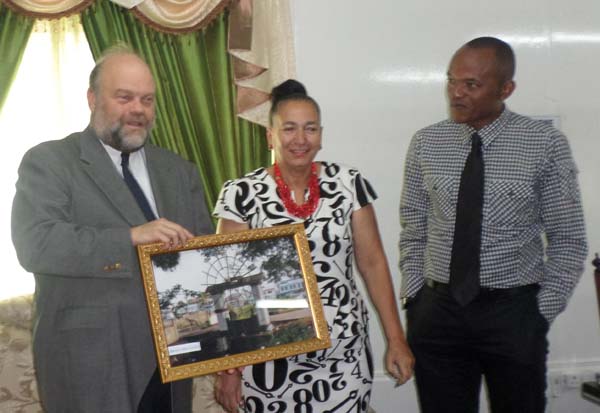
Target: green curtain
195	100
14	34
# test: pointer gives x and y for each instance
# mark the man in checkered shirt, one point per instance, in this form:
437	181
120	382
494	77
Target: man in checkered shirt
532	249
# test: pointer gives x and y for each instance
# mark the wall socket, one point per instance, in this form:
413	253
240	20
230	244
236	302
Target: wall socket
573	380
561	381
556	384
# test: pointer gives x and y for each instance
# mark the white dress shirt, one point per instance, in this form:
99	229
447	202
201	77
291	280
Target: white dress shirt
138	168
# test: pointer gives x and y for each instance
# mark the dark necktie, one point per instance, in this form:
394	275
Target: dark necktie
135	188
464	264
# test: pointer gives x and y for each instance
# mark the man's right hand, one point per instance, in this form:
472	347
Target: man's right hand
160	230
228	391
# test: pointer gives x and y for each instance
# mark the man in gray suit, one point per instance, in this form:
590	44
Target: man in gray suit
75	225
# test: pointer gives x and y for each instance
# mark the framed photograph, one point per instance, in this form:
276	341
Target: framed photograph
229	300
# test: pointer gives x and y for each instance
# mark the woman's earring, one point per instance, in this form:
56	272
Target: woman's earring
270	147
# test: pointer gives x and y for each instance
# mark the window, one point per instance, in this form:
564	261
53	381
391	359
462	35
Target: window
47	101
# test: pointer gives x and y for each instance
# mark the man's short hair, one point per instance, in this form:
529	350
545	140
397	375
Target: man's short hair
505	56
117	49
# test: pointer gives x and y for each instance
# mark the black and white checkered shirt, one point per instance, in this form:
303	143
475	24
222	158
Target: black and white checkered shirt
533	228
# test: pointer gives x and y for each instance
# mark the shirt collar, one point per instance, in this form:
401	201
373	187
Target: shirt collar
115	155
489	132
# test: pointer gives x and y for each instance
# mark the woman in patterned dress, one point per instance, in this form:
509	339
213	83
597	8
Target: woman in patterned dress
334	202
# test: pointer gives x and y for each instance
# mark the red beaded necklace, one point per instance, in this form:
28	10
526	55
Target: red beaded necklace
307	208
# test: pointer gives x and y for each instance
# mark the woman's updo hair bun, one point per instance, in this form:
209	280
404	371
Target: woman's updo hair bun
289	90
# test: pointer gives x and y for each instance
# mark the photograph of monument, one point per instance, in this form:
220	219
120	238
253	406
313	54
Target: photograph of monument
230	299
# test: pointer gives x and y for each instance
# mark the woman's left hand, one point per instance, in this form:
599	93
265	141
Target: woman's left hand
399	361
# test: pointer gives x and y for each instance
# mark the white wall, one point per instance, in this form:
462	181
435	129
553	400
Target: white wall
378	69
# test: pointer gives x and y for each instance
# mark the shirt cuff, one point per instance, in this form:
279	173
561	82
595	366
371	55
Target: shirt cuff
550	304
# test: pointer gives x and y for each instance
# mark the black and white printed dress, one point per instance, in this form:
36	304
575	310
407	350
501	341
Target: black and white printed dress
337	379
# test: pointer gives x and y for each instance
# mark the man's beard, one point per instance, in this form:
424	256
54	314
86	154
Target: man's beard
128	142
115	135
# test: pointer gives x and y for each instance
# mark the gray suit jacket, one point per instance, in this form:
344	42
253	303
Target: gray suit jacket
70	226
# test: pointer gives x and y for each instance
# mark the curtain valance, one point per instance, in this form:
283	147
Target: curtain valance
163	15
180	16
260	37
47	9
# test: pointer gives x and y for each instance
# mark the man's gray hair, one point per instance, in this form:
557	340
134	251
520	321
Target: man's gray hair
117	49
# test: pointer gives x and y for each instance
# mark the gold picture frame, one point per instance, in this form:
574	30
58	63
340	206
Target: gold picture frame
230	300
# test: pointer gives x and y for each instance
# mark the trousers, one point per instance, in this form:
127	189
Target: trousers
499	337
161	397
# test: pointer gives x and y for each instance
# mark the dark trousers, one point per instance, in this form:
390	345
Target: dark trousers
500	336
175	397
156	397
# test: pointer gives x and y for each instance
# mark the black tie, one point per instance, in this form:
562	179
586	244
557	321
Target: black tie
135	188
464	264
